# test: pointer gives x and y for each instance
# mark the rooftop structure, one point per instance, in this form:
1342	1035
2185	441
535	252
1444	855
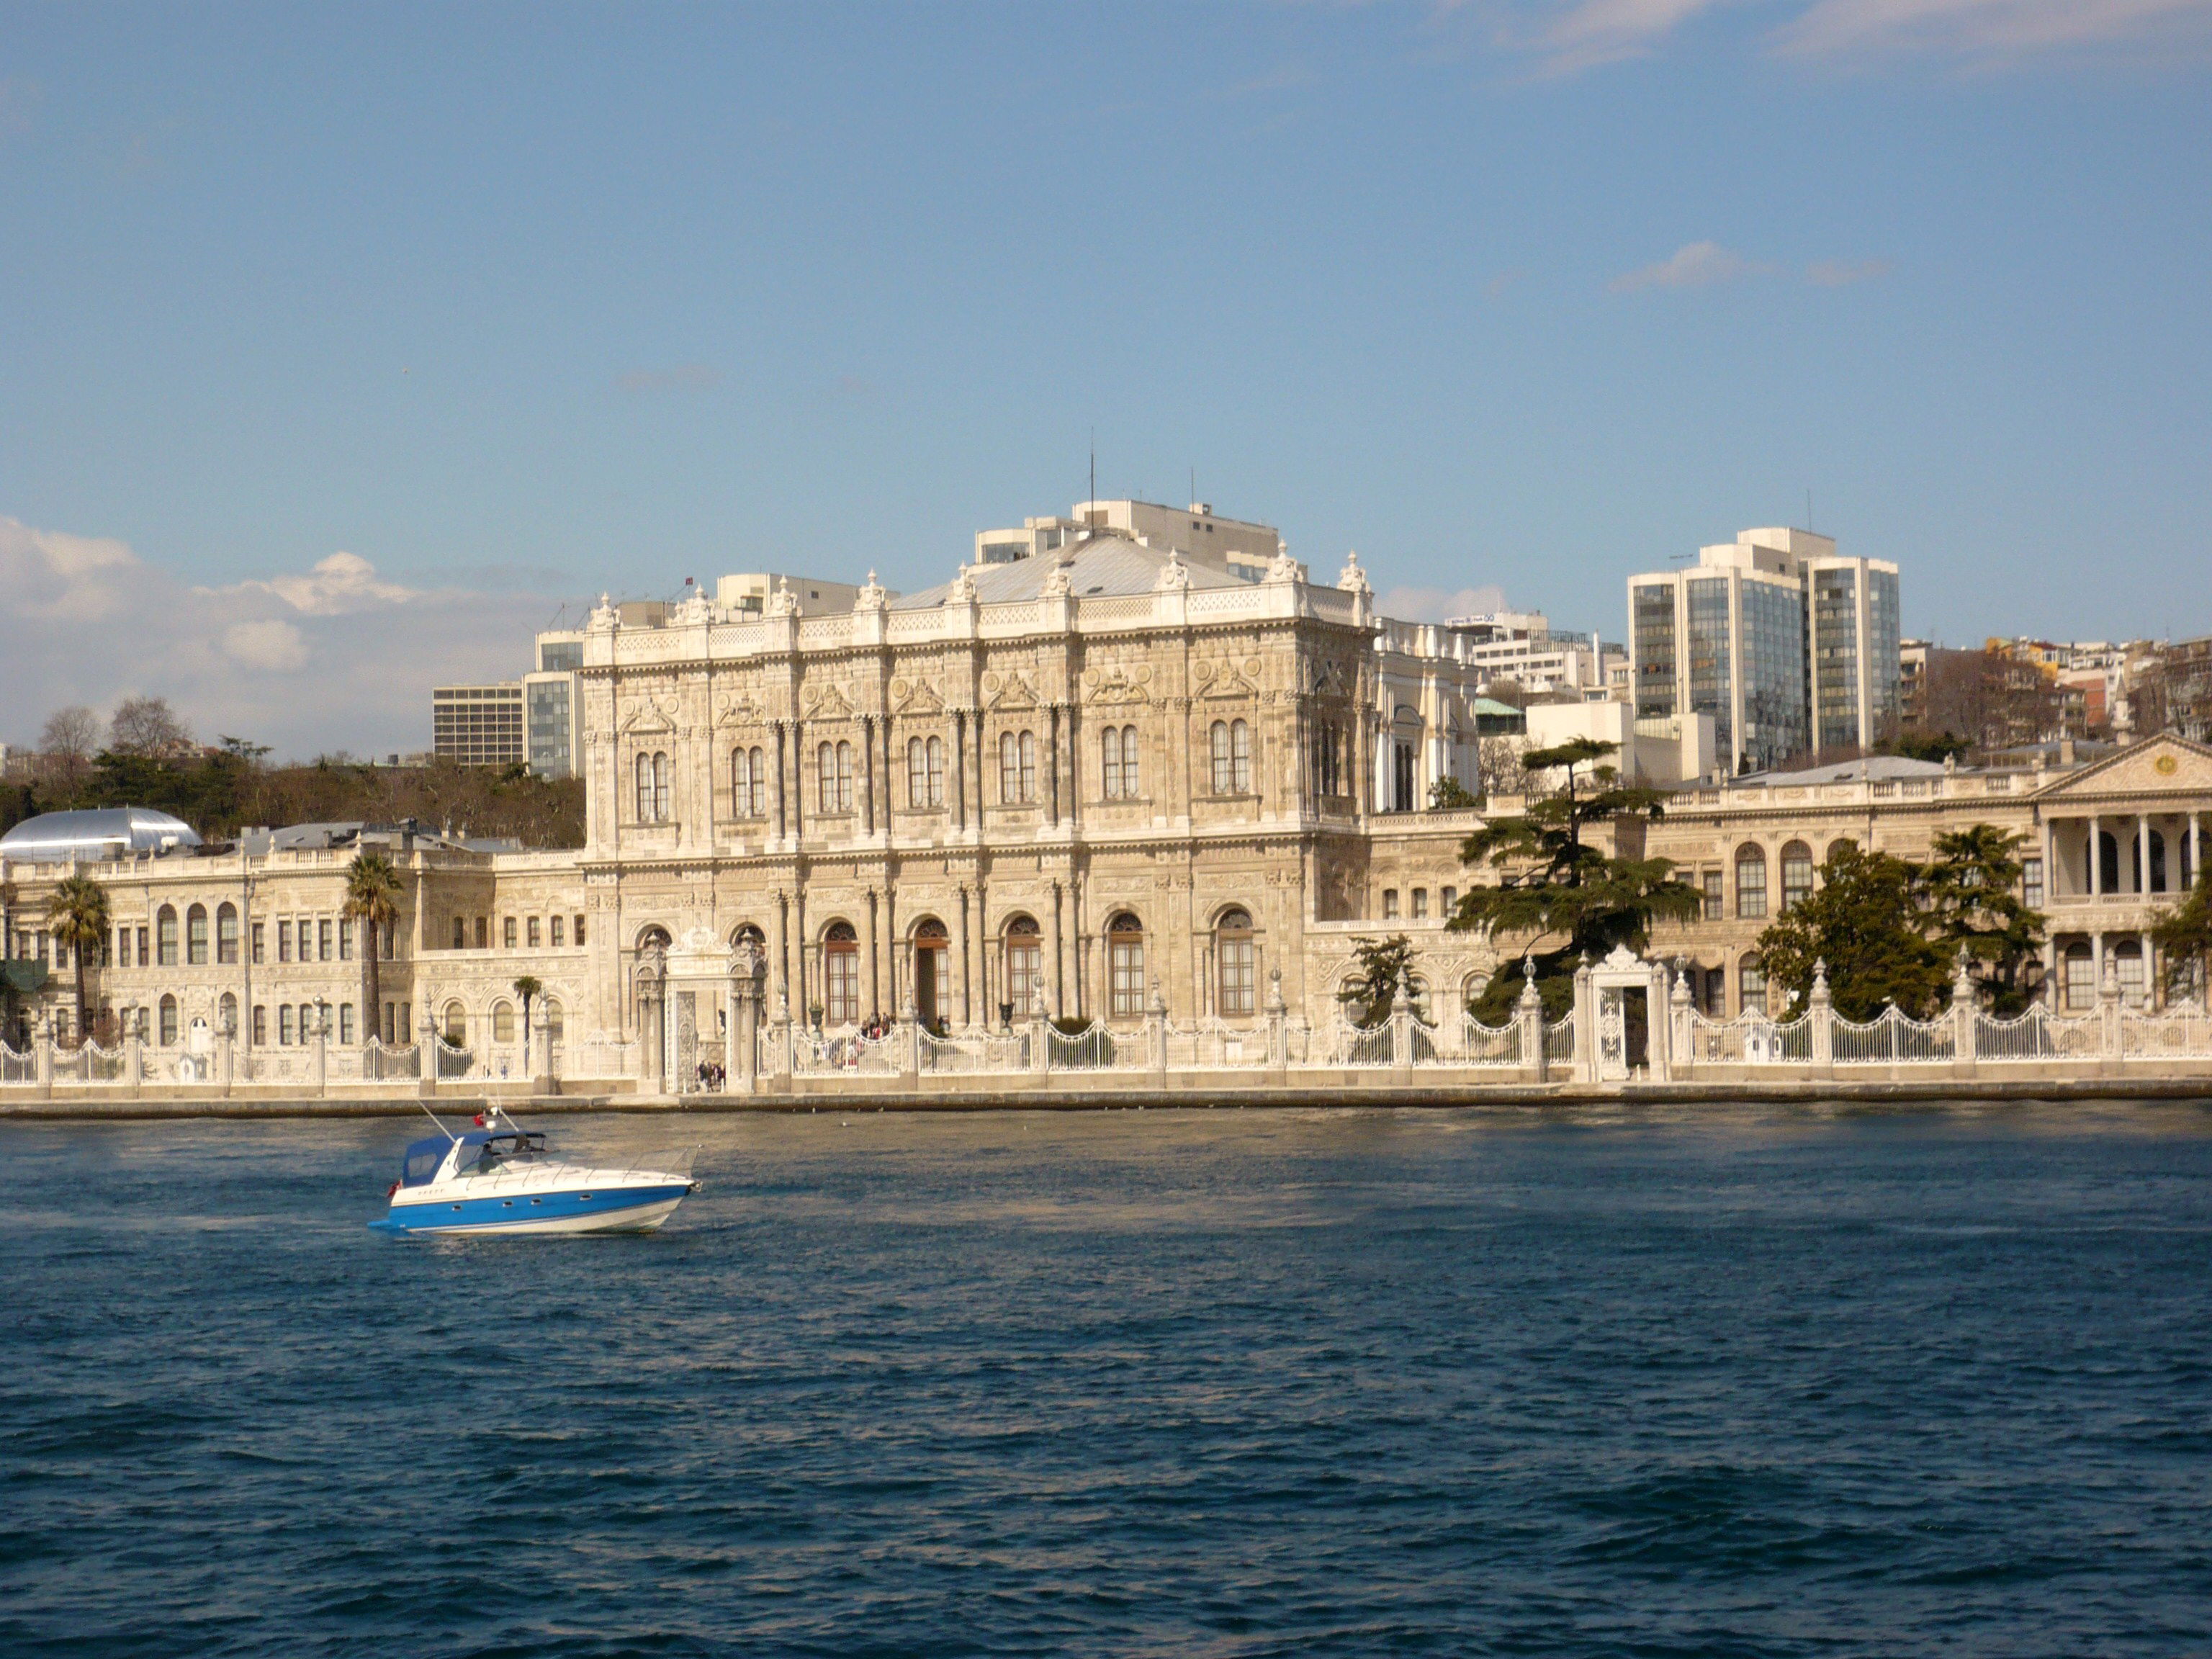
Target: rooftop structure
1242	547
101	833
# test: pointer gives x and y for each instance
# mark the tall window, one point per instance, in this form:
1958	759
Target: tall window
1750	884
1125	965
925	772
345	1022
1109	753
1024	966
748	783
196	936
1224	765
1327	758
841	974
1715	905
2031	883
1237	961
1240	758
560	931
1751	979
652	788
1132	782
506	933
1017	764
260	1026
169	1022
1796	875
284	1026
226	934
502	1022
227	1014
833	765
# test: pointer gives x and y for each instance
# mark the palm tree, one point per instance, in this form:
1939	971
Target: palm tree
526	987
76	915
372	899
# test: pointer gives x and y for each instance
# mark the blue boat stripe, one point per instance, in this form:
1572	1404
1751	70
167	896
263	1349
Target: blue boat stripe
522	1207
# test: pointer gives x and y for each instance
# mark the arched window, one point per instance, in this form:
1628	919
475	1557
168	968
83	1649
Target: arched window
502	1022
645	789
1240	758
1796	875
169	1022
748	783
1110	756
661	811
1236	962
1751	985
1132	783
1416	996
1125	965
227	1014
1841	845
931	951
925	772
1018	766
2129	967
933	753
196	936
841	974
1024	966
226	934
833	764
1750	884
1224	768
553	1020
457	1026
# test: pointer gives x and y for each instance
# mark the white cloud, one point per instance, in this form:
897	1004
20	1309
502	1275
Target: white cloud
1837	273
270	644
1988	30
1436	604
335	657
1584	34
1699	264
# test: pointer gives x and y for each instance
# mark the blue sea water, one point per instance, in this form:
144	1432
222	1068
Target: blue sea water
1228	1383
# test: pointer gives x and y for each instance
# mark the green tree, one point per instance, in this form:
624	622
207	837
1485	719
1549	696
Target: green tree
528	986
1969	900
76	915
2186	935
372	898
1381	967
1865	923
1565	897
1446	793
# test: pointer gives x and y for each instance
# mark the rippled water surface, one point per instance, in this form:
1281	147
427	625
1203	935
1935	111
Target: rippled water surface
1227	1383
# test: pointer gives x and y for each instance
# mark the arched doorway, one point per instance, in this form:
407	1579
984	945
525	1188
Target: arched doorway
1125	966
841	974
1024	968
932	944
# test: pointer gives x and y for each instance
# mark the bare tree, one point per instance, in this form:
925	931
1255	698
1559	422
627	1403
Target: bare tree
71	732
1502	771
147	727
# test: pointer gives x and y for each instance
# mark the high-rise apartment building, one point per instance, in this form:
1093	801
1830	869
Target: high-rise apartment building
1789	645
478	724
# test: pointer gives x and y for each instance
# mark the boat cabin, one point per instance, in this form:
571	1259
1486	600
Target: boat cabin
480	1151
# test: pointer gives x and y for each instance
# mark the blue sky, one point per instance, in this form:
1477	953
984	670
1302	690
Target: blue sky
510	306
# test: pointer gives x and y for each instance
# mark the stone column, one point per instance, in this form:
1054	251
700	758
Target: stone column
1156	1033
1040	1052
2108	1011
959	770
1964	1007
867	775
1401	1036
1279	1036
1586	1034
967	1008
649	1039
226	1052
781	818
542	1080
2143	854
1823	1029
747	978
2096	857
1681	1030
43	1048
2150	973
875	958
134	1057
319	1059
1529	1014
1658	1034
1059	956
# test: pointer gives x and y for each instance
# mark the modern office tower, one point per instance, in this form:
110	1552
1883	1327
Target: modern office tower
550	695
478	725
1244	548
1789	645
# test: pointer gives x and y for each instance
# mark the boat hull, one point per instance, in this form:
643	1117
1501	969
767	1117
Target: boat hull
624	1210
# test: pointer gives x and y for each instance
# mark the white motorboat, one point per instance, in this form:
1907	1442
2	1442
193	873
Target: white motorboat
497	1178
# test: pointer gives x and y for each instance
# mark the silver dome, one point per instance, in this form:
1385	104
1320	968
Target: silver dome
106	832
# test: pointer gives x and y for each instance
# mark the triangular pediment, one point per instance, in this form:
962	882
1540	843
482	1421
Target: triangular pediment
1013	693
827	702
2163	765
916	698
649	719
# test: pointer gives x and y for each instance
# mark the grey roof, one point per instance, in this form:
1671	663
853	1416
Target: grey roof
1874	768
1105	565
104	832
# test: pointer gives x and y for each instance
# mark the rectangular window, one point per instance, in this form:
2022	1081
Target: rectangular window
345	941
842	1000
579	930
1751	889
1753	985
557	921
259	943
284	941
1024	976
406	1024
2031	883
1239	963
165	927
506	933
533	933
345	1022
284	1026
1420	903
260	1026
323	940
1715	905
460	933
1447	902
142	947
483	933
1389	904
1127	962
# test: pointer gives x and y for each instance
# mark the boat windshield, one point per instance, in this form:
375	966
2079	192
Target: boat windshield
500	1150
